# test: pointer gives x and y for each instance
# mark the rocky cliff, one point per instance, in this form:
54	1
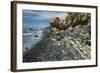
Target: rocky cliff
72	43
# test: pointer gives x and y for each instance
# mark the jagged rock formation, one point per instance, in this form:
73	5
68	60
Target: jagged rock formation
72	19
74	43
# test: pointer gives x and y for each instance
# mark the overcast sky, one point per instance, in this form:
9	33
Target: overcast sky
40	18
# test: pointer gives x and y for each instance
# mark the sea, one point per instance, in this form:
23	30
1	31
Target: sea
31	38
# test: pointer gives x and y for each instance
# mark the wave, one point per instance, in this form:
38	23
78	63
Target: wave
36	32
26	34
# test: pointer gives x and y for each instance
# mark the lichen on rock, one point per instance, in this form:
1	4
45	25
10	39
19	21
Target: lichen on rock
72	19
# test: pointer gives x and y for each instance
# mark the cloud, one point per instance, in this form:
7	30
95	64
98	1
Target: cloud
42	15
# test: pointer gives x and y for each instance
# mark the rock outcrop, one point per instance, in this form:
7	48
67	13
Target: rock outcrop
72	19
74	43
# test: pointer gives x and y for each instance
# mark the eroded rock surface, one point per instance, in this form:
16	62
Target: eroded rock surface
72	43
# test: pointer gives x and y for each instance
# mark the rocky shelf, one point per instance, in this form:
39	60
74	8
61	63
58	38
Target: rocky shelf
72	44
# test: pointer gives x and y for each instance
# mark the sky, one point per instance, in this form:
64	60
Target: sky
37	18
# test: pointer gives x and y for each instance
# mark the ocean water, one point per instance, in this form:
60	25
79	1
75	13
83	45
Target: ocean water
31	38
